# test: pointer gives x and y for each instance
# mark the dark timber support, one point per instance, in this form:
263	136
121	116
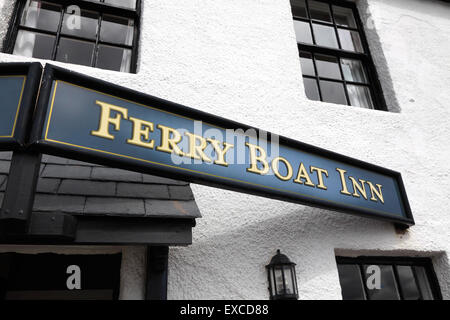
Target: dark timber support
157	266
18	200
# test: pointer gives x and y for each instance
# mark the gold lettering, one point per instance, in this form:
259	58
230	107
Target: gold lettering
343	183
361	188
169	139
275	163
220	152
254	159
320	173
196	151
374	192
106	119
303	174
141	129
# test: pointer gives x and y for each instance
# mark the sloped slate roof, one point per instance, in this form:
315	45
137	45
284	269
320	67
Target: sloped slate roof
81	188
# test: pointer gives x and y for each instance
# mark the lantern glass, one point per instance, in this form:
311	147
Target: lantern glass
279	283
288	279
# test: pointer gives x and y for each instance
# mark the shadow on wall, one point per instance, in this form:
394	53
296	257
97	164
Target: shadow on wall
378	56
235	260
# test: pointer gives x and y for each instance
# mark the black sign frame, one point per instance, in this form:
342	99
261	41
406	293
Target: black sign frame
52	73
33	72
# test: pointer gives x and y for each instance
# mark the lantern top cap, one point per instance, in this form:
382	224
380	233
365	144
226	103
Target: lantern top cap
280	259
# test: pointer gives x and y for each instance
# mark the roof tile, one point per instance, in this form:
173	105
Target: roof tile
48	185
139	190
161	208
4	167
111	174
160	180
70	204
181	193
88	188
114	206
67	172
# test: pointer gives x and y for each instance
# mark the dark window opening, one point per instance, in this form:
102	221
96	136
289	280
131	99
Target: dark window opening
387	278
102	33
59	277
334	55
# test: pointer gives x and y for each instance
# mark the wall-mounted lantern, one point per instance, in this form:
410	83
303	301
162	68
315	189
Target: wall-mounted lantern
282	278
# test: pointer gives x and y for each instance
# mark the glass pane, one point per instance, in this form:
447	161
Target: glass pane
388	287
359	96
114	58
279	280
272	282
307	64
328	67
353	70
75	51
408	283
311	89
302	31
299	8
350	40
351	282
333	92
41	15
86	26
32	44
325	36
344	17
288	280
424	285
117	30
122	3
320	11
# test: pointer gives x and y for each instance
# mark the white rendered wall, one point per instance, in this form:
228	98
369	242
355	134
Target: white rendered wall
238	59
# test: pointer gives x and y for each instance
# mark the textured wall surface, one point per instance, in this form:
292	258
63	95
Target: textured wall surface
239	59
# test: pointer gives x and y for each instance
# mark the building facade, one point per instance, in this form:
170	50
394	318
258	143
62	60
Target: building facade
368	79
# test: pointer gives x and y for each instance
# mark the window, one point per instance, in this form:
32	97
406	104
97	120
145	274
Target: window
335	59
387	278
101	33
59	277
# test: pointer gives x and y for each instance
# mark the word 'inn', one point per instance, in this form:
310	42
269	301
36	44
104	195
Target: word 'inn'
259	164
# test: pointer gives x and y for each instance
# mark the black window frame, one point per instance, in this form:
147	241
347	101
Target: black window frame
90	5
365	57
424	262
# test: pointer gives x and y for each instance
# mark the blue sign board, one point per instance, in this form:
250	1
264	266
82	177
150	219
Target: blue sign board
18	88
11	92
95	121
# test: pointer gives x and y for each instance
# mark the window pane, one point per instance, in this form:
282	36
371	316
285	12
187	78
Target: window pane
311	89
325	36
117	30
307	63
333	92
302	31
344	17
408	283
320	11
279	280
32	44
351	283
114	58
122	3
424	285
353	70
41	15
359	96
87	28
388	288
74	51
299	8
328	67
350	40
288	280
